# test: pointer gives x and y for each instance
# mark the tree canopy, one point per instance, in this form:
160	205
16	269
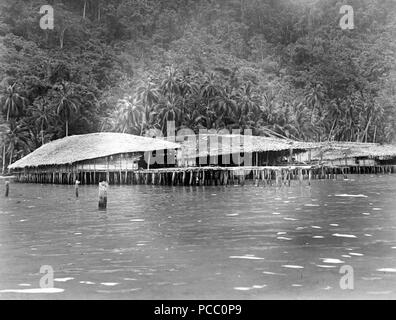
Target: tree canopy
281	67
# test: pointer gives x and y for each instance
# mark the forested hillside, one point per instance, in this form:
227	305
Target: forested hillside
280	67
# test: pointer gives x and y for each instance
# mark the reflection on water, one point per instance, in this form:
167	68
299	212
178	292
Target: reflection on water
201	242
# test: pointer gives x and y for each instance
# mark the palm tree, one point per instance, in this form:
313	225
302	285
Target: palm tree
18	139
107	124
66	105
189	94
169	109
148	95
170	85
41	114
314	99
211	92
248	104
12	104
210	88
225	106
192	119
246	109
128	116
300	121
190	99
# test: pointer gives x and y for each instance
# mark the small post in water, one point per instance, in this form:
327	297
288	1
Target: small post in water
76	187
7	188
103	195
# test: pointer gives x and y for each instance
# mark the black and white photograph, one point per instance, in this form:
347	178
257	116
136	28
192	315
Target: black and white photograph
197	150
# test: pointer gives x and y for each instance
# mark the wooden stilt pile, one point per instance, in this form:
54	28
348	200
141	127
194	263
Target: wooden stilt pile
197	176
7	188
76	187
103	194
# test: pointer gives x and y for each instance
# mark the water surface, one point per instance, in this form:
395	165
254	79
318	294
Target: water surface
157	242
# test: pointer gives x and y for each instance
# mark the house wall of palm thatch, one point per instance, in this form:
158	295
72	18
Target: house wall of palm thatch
350	162
387	161
236	150
354	154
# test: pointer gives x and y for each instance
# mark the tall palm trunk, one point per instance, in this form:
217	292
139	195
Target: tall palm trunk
365	134
8	113
42	133
144	120
4	147
141	129
332	128
62	38
11	155
375	133
99	13
85	9
4	159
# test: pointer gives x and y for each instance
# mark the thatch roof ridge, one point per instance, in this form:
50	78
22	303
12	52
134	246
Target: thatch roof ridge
234	143
90	146
356	150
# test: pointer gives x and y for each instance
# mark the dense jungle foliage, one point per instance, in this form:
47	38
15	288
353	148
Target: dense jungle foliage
278	67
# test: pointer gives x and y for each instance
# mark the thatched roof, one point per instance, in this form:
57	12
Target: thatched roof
90	146
342	150
216	144
380	151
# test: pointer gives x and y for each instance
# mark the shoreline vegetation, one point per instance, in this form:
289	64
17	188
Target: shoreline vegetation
279	68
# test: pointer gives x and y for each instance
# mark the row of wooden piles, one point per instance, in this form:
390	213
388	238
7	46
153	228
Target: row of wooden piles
200	176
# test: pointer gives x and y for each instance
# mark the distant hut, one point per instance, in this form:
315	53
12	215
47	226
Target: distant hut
355	154
92	158
230	150
385	154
